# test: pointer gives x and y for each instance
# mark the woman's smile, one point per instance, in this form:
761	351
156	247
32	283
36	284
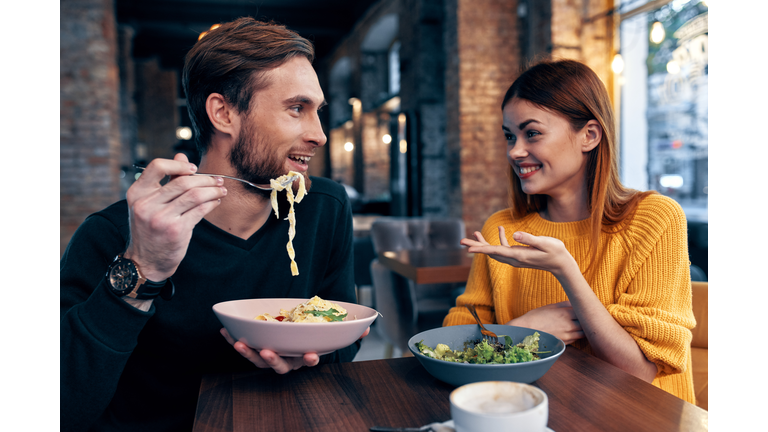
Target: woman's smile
526	171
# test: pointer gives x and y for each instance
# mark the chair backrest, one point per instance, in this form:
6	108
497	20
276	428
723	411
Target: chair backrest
396	302
701	312
699	344
397	233
399	300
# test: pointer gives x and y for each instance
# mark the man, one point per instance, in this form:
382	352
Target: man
136	363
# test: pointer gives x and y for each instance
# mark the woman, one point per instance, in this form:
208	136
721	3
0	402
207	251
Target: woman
578	255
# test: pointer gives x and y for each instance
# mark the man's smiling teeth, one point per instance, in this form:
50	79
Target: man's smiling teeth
304	159
526	170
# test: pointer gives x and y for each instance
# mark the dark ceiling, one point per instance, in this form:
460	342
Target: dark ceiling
169	28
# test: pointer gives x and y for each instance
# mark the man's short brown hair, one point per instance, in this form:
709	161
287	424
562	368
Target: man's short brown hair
231	60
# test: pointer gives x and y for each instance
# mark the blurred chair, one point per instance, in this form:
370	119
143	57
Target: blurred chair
407	308
363	255
697	274
699	345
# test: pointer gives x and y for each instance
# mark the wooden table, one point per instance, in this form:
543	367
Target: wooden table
429	266
585	394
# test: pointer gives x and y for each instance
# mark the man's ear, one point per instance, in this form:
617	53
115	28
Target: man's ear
593	134
222	115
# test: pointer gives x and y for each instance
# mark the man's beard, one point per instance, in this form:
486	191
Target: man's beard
253	163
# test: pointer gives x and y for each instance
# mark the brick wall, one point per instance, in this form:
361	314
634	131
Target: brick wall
581	31
457	59
89	125
482	61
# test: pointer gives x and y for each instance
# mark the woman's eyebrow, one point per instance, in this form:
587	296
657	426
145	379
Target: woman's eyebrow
526	123
521	126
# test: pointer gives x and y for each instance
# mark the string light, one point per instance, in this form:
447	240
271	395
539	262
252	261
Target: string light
348	146
387	138
657	32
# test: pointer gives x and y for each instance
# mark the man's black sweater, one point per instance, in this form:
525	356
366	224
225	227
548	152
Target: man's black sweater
124	369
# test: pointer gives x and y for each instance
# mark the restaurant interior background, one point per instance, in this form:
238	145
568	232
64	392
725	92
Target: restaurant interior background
413	88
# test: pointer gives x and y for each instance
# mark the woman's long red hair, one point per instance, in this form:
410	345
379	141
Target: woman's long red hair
572	90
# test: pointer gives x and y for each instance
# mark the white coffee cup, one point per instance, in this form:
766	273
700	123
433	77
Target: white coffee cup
499	406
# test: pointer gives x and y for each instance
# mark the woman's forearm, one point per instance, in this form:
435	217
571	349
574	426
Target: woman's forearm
609	341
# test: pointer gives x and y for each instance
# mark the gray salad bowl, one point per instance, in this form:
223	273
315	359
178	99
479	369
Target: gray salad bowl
459	374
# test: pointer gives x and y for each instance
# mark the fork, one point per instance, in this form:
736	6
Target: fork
399	429
487	334
286	182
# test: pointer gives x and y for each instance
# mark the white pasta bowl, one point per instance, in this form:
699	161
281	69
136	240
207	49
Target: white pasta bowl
289	339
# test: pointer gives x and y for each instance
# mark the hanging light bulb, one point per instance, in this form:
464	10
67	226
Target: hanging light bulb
657	32
617	65
673	67
348	146
184	133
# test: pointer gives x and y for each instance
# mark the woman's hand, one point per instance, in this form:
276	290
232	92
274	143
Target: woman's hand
542	253
558	319
583	316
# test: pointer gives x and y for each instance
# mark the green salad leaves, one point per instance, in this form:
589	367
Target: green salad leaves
482	352
328	314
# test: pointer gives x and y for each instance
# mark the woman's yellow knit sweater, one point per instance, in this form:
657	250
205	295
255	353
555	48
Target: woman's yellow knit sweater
643	279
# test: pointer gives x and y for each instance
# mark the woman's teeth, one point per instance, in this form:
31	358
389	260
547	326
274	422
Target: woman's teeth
526	170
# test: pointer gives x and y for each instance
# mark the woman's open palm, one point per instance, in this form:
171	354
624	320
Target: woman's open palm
542	253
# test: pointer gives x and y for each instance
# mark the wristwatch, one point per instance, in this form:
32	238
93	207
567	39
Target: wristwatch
125	279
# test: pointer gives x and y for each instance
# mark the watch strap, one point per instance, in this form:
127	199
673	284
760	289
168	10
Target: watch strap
150	289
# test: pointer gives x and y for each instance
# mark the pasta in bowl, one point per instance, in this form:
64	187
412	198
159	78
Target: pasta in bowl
294	339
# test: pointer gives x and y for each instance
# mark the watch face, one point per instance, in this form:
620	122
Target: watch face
123	276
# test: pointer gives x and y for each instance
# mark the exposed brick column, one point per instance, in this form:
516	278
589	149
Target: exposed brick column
482	61
583	32
90	135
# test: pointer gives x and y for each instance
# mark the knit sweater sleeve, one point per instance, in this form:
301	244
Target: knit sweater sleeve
653	297
479	290
98	331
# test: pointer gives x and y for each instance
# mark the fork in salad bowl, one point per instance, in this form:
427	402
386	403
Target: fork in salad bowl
487	334
284	183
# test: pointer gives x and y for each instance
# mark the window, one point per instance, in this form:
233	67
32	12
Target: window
394	68
664	114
